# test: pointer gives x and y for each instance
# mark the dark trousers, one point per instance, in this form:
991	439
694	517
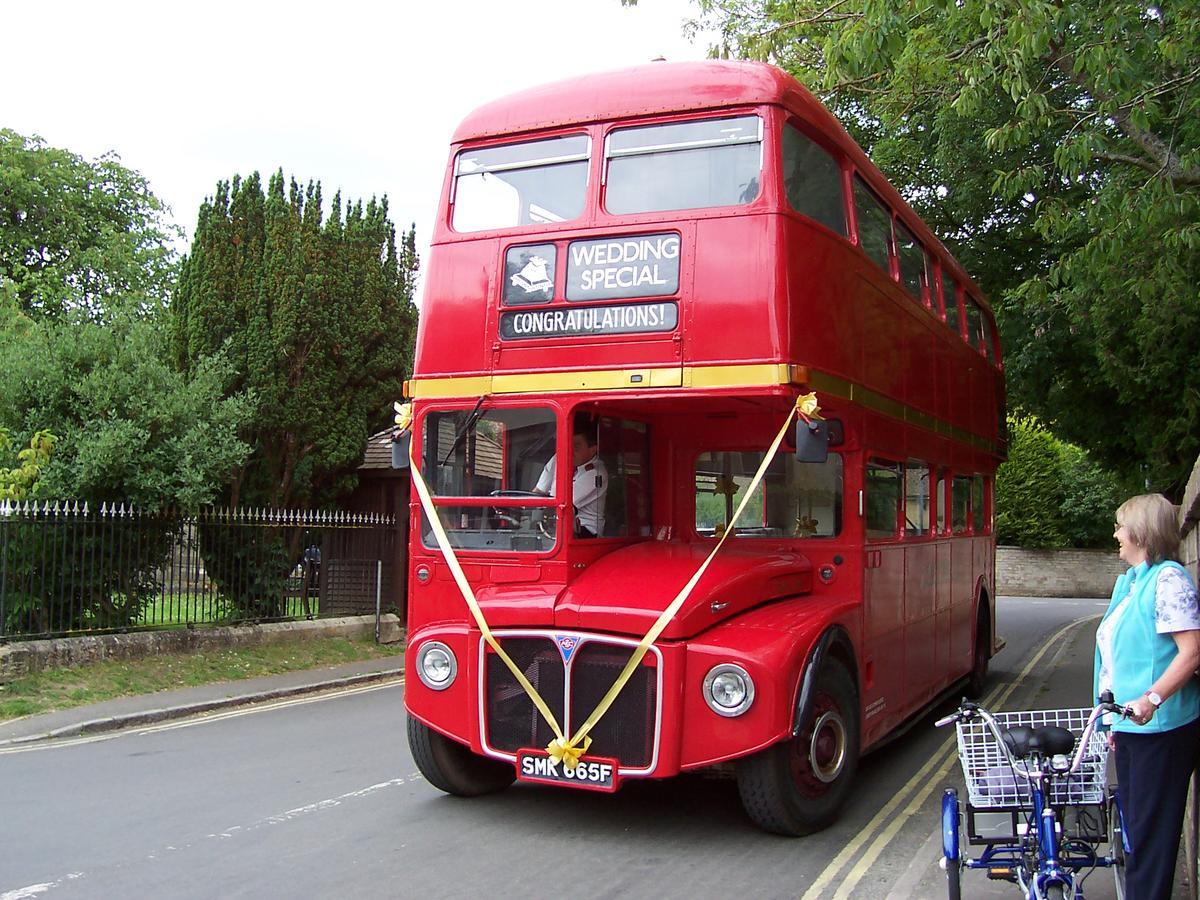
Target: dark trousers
1152	776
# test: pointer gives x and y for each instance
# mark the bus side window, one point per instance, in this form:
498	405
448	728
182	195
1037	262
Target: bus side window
874	225
960	503
916	498
813	180
882	498
950	292
911	256
978	519
974	324
942	494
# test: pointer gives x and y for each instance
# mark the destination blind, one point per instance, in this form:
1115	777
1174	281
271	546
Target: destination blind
623	318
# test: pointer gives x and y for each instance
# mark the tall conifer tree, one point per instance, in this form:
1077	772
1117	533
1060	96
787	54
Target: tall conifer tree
318	317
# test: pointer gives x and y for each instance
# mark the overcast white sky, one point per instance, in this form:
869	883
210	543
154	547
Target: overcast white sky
363	96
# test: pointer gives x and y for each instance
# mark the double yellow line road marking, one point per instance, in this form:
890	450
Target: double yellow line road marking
887	823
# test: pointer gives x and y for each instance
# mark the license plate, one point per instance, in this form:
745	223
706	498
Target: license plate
593	773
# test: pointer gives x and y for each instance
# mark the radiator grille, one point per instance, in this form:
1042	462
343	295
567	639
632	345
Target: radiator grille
627	730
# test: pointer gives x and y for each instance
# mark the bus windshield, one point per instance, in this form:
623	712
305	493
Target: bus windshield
684	165
793	500
490	453
494	453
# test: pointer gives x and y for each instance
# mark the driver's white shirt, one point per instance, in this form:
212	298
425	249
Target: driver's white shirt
588	487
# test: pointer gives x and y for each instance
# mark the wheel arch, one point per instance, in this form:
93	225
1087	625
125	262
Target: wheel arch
833	644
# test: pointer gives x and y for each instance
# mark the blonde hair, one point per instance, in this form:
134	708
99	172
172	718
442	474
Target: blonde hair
1153	525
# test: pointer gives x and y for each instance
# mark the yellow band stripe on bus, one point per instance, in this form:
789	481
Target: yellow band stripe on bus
687	377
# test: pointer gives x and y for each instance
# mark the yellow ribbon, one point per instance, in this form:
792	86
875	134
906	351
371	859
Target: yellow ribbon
403	416
570	751
807	406
561	751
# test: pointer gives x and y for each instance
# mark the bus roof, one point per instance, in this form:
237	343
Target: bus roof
651	89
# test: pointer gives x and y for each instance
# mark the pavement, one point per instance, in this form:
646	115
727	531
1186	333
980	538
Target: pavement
146	709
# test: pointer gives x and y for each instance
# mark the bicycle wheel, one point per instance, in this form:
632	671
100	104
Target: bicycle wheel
951	856
1055	892
1116	843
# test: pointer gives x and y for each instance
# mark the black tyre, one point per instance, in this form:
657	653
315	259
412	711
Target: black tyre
1055	892
977	680
800	785
954	880
451	767
1116	846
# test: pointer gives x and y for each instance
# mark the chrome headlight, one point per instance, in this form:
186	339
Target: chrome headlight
728	690
436	666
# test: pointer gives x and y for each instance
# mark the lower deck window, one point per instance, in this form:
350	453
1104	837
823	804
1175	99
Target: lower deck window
794	499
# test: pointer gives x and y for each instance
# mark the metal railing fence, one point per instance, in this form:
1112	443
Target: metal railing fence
73	568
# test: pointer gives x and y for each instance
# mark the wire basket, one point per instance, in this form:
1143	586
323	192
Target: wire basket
992	781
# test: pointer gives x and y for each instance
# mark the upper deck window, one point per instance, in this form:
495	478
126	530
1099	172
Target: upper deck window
536	182
813	180
950	296
974	324
874	224
683	165
912	261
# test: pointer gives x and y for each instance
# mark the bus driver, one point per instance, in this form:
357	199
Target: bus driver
589	485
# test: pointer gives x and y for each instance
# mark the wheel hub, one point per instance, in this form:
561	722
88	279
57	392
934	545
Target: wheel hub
827	749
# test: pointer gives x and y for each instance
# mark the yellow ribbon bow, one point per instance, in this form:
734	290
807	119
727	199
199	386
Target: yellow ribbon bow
403	416
807	406
562	751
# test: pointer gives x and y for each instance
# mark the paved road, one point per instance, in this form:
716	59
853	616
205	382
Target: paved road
319	797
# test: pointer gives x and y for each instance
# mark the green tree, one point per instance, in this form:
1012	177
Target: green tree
316	315
130	428
1050	493
1056	149
79	237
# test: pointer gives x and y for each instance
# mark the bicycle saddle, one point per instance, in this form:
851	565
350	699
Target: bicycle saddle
1047	740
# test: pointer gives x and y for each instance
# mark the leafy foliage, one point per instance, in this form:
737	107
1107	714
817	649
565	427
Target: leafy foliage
1056	149
20	482
130	428
1050	494
317	318
79	237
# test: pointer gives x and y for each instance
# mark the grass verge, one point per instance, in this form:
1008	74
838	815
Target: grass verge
64	688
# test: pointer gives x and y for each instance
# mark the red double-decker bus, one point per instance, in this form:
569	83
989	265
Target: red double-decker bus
633	278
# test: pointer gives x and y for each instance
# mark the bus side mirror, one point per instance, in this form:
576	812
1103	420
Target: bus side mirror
400	445
812	441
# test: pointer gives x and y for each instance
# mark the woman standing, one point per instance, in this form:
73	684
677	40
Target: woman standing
1147	652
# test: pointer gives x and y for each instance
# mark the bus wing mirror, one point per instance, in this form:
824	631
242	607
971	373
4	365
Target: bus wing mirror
812	441
400	445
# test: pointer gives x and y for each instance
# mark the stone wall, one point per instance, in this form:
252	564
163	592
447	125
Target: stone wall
1056	573
26	657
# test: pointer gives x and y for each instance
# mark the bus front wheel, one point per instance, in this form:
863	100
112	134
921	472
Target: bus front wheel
799	786
451	767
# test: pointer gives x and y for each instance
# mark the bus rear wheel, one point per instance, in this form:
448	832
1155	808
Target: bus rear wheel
980	659
799	786
451	767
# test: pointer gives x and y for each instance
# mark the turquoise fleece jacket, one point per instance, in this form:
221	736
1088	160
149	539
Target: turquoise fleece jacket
1141	654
